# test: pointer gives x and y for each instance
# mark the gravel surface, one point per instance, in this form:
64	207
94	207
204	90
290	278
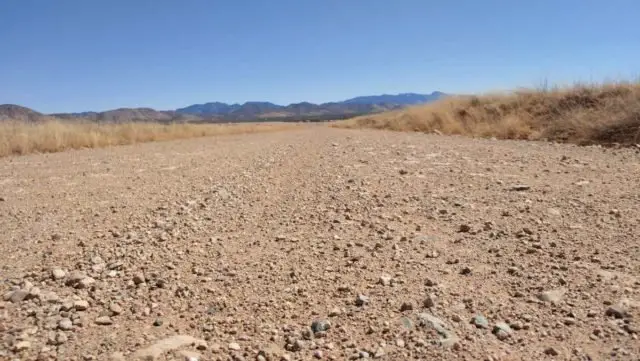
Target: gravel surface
321	243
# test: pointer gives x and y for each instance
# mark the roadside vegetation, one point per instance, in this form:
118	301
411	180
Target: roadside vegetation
56	135
582	114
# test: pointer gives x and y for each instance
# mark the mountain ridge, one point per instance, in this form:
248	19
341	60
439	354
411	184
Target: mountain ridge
236	112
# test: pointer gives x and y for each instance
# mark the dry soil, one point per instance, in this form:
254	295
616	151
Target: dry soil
321	243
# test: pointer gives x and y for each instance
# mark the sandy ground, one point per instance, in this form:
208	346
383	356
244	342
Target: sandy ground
321	244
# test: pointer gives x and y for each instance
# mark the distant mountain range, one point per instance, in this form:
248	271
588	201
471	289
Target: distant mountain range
223	112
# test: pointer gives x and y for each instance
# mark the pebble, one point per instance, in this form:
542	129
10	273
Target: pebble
385	280
502	331
466	271
234	346
317	354
18	295
617	311
320	326
21	346
429	302
81	305
406	306
138	278
65	324
75	277
516	325
104	321
86	282
464	228
334	312
520	187
400	342
551	351
361	300
58	274
61	338
480	321
158	322
115	309
552	296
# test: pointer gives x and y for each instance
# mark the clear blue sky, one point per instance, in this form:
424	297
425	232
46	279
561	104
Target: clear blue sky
75	55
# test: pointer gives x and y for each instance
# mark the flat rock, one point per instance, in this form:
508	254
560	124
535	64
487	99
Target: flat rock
18	295
156	350
103	320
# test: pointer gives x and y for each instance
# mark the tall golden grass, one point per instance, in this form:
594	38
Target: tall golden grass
54	135
583	114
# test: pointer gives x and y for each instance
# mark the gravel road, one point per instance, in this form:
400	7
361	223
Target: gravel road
321	243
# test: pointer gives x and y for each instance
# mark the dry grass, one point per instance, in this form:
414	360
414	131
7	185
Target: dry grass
55	136
582	114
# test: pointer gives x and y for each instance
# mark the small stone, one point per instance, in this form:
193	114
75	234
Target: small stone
361	300
21	346
552	296
61	338
464	228
58	274
158	322
317	354
429	302
480	321
334	312
406	306
502	331
400	342
65	324
104	321
81	305
617	311
138	278
520	187
18	295
320	326
379	353
75	277
115	309
550	351
363	354
466	271
385	280
516	325
86	282
406	323
234	346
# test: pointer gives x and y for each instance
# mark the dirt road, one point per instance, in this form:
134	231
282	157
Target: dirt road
400	246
